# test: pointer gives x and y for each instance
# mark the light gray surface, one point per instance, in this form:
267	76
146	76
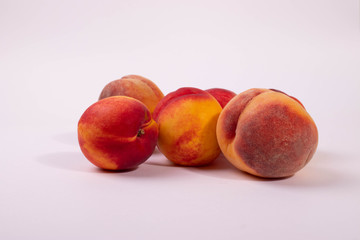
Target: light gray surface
56	56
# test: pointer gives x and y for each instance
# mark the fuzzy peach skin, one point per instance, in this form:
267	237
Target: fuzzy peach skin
117	133
267	133
223	96
187	127
134	86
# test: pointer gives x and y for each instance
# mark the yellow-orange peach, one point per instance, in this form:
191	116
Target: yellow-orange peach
223	96
187	126
117	133
134	86
267	133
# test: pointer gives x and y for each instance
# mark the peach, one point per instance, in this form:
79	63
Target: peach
223	96
134	86
187	127
117	133
267	133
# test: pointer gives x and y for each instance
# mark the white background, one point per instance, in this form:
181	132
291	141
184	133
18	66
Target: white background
55	58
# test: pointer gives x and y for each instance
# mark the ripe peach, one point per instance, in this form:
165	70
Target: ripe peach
117	133
267	133
134	86
187	126
223	96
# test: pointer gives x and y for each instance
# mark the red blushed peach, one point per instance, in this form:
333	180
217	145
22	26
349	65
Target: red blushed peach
223	96
187	127
136	87
117	133
267	133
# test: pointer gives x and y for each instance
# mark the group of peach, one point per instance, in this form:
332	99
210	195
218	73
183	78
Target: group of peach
263	132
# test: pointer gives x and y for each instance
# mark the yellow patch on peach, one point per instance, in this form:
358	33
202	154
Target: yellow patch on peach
187	130
96	156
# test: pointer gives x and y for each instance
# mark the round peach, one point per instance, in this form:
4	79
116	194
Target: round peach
267	133
187	127
134	86
117	133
